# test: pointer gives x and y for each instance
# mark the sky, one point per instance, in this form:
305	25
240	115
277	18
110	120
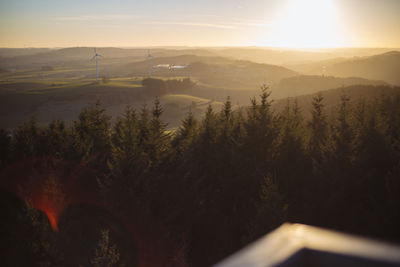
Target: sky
276	23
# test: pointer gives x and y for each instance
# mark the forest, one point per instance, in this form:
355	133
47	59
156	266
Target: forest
131	192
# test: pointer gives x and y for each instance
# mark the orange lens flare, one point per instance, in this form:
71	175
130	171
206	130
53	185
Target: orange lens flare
53	218
51	192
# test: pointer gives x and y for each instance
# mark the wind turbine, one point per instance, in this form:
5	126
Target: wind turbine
149	57
96	56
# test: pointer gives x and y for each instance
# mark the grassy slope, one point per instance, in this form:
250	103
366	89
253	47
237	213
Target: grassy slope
309	84
384	67
50	99
47	100
63	92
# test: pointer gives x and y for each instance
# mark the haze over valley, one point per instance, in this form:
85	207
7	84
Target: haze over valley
57	83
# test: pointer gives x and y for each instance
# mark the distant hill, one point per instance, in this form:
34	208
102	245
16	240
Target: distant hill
218	71
184	59
113	52
272	55
309	84
60	57
288	57
315	67
380	67
332	97
384	67
23	57
13	52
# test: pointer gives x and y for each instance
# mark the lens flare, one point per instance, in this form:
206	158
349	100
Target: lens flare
51	191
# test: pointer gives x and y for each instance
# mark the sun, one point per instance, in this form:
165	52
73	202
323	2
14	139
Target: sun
307	23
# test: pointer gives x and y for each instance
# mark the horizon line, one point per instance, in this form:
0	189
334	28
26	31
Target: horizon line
202	46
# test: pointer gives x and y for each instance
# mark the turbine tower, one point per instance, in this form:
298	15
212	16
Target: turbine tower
96	56
149	57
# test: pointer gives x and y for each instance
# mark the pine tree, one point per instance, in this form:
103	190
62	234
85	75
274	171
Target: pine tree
143	125
261	133
374	157
318	131
125	150
185	134
342	134
208	130
271	211
107	254
57	138
159	138
291	164
26	140
92	132
226	113
5	148
225	138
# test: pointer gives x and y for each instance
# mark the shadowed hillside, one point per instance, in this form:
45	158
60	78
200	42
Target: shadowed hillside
309	84
384	67
26	58
332	97
381	67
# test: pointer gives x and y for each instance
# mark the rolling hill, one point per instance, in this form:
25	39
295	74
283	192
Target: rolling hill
384	67
26	58
13	52
201	65
309	84
289	57
62	90
380	67
217	71
47	101
332	97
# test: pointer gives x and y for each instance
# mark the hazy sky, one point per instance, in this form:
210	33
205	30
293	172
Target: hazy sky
289	23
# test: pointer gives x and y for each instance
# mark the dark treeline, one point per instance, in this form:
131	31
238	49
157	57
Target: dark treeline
221	182
158	87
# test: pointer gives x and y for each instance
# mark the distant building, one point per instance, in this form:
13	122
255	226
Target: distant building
170	66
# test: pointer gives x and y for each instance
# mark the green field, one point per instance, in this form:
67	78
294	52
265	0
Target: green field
47	99
62	93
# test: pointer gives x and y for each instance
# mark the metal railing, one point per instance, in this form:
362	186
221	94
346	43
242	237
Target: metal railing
303	245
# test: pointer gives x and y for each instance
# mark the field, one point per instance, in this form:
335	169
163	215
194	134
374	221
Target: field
59	83
49	95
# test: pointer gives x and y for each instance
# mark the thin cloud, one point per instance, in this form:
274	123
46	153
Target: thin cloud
252	23
263	25
226	25
107	17
195	24
235	24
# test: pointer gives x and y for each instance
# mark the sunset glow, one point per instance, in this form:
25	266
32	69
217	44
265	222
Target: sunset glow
280	23
307	23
